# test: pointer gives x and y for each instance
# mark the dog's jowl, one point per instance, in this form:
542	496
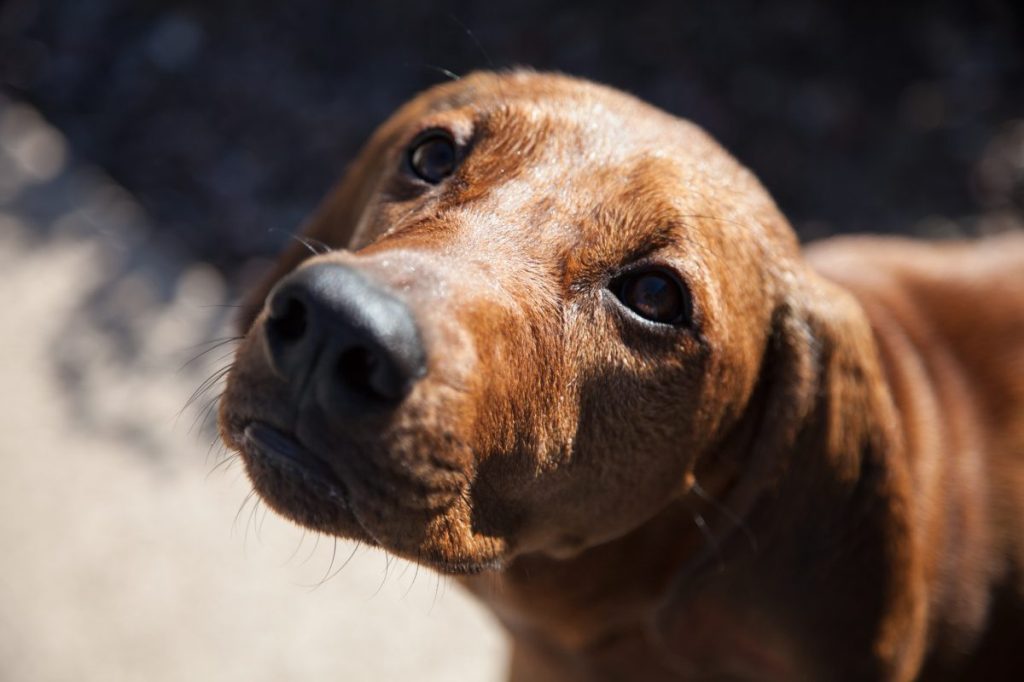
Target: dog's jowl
565	347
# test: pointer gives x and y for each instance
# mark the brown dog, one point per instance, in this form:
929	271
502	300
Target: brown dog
576	355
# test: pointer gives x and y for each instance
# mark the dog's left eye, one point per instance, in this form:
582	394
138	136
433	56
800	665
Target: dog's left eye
654	295
432	156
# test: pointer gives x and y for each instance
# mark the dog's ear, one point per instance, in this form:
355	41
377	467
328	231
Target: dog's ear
831	385
816	467
332	226
843	477
808	411
776	414
852	416
820	404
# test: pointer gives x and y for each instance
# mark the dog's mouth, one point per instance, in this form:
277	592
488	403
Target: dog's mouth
396	513
280	451
297	483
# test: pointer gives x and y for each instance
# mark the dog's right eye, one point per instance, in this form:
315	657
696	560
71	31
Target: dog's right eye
654	295
432	156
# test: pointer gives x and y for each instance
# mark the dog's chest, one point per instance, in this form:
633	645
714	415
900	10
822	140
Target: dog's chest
705	638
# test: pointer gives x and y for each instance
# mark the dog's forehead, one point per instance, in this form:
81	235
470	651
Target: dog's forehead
554	164
594	121
541	142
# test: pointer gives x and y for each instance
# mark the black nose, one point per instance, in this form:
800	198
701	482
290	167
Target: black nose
331	330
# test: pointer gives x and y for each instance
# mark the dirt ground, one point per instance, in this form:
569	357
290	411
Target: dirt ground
128	554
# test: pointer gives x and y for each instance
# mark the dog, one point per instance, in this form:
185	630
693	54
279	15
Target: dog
561	344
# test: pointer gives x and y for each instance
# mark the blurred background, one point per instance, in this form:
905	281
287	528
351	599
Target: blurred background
155	155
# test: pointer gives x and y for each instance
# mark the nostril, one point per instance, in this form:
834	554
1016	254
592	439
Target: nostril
290	323
355	368
367	372
330	331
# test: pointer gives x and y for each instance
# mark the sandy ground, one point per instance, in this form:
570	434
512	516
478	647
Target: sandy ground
127	553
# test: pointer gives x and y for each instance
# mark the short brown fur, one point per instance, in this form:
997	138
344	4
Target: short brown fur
822	478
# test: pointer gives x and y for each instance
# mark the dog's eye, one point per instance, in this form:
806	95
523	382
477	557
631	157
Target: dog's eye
654	295
432	156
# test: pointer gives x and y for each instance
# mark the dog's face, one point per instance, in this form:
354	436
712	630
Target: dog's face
554	310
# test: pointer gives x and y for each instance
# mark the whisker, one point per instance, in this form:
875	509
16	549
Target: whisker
224	463
201	344
702	526
437	586
387	568
451	75
238	514
399	223
472	36
330	566
207	384
310	243
216	445
225	356
203	417
298	546
343	563
259	523
304	242
213	347
249	524
316	543
415	574
727	513
323	246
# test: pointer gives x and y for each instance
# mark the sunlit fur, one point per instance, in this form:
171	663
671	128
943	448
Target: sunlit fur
820	478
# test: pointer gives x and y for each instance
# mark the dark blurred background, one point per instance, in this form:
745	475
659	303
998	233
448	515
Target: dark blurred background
228	120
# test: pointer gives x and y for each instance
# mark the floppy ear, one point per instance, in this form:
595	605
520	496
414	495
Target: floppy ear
820	482
817	427
333	224
828	410
820	416
776	416
852	420
846	481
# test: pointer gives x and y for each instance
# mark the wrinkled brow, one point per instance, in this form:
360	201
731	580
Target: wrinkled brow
506	143
634	217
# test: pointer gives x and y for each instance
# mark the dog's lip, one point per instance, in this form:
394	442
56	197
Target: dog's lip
283	451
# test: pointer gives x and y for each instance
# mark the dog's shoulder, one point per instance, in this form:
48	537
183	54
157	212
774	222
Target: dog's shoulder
968	293
962	300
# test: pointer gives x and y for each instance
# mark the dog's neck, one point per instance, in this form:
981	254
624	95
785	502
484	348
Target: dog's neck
582	610
740	591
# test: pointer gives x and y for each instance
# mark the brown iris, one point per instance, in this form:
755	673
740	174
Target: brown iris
655	295
432	156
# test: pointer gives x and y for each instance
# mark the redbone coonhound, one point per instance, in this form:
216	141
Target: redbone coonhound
564	346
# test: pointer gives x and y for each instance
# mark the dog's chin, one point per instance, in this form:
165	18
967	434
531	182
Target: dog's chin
296	484
302	487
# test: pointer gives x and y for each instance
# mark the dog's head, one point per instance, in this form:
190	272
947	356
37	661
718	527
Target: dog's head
545	306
